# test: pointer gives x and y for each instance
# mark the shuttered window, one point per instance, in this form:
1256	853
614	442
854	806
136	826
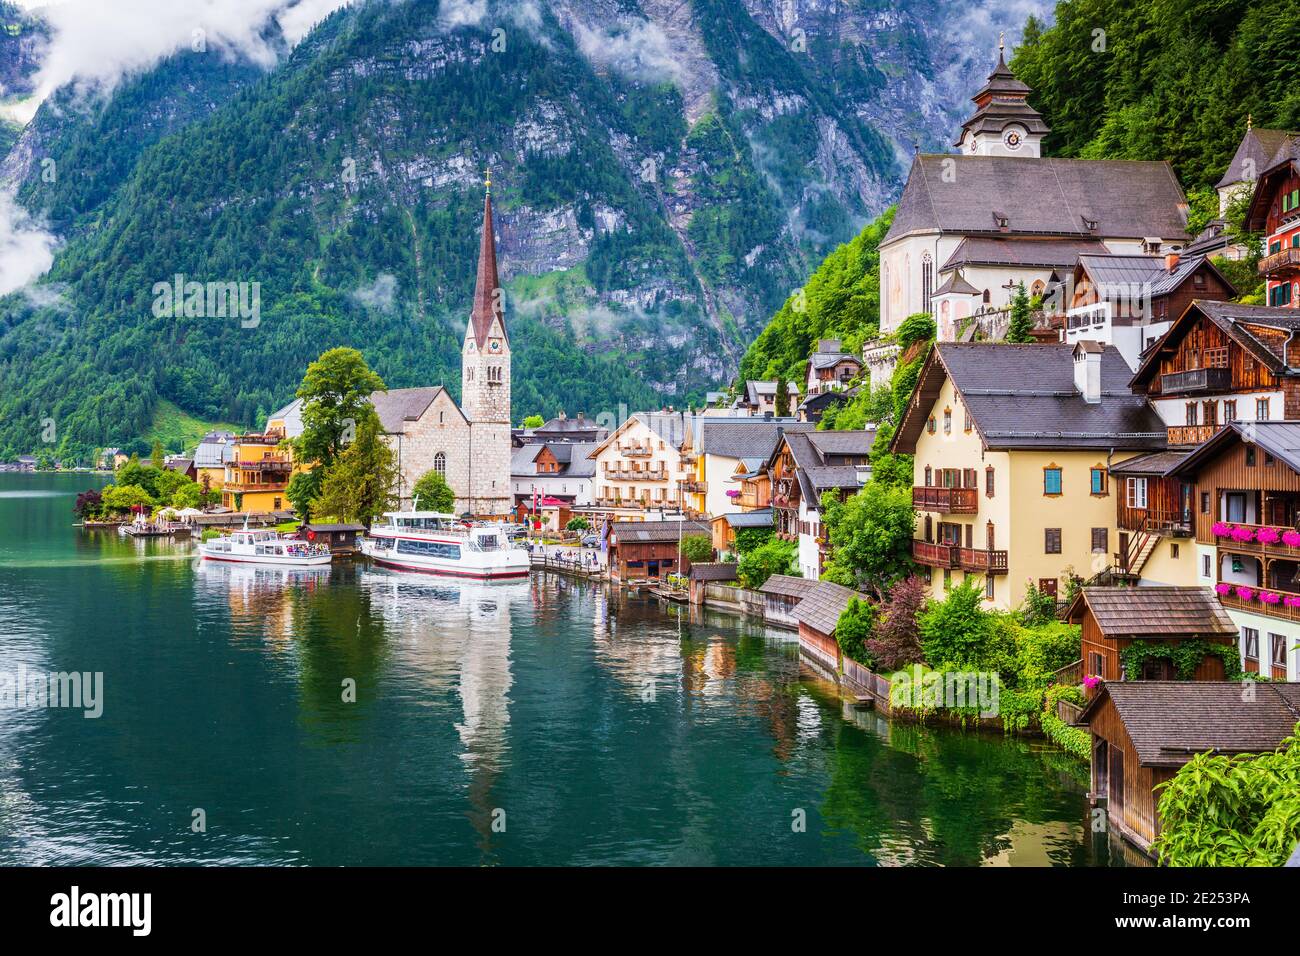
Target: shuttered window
1099	540
1052	540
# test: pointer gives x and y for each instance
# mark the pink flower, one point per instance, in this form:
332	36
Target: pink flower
1220	529
1270	597
1291	539
1292	600
1223	588
1241	535
1090	682
1245	593
1268	536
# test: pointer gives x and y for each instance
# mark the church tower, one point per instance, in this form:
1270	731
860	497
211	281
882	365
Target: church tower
1004	123
485	381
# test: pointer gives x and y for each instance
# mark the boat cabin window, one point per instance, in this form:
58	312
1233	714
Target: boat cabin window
432	549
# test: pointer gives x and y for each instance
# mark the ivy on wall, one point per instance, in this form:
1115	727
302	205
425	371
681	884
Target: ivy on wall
1186	657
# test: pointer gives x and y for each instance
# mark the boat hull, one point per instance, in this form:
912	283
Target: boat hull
267	560
506	572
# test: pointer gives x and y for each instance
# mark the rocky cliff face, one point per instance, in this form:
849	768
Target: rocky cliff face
669	171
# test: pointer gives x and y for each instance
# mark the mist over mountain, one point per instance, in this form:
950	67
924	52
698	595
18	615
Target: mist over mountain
665	173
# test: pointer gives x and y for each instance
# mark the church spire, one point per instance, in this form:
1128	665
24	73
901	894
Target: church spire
487	301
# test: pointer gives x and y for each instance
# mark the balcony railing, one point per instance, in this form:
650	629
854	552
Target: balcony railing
935	555
1255	605
1196	380
1280	263
983	560
695	487
953	501
1191	434
631	474
635	451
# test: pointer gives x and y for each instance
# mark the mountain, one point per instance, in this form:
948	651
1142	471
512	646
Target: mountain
21	39
666	172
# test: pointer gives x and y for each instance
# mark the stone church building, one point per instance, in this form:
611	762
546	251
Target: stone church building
469	444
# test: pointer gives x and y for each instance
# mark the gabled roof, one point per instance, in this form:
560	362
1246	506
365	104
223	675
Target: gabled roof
827	359
1156	463
1279	439
573	457
1026	253
823	604
1155	612
761	518
713	571
758	389
1170	721
741	437
1232	318
1048	197
1258	147
398	406
669	427
650	531
1284	161
1150	273
1024	396
786	585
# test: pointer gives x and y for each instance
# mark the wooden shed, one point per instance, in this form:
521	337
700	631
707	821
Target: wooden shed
705	573
1112	619
817	615
1143	731
647	550
342	538
781	595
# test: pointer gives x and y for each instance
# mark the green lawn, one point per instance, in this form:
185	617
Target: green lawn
178	430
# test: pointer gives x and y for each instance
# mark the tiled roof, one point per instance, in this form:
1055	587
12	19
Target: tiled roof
1156	463
1024	396
1044	253
1280	439
822	606
761	518
1232	318
1170	721
787	586
1258	147
1121	274
1155	612
1053	197
827	359
399	405
628	532
714	571
742	437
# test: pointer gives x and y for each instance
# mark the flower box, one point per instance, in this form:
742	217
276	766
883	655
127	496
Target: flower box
1270	597
1220	529
1291	538
1292	600
1268	536
1245	593
1241	535
1223	589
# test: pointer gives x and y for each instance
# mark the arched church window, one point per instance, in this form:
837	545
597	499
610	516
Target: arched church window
440	464
927	281
987	297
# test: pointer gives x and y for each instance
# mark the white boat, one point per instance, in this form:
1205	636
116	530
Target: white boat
265	547
437	543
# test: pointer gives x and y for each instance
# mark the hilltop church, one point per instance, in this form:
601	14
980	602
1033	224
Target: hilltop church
971	225
469	444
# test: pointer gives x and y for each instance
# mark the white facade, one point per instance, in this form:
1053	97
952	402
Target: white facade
809	553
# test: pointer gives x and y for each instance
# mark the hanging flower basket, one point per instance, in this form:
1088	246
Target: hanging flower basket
1270	597
1268	536
1241	535
1220	529
1223	589
1245	593
733	493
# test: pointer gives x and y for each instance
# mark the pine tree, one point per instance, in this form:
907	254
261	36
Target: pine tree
782	398
1022	321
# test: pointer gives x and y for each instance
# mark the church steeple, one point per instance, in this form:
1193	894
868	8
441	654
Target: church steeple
1004	124
487	294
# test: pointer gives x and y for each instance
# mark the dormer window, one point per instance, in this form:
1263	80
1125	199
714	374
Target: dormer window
1090	224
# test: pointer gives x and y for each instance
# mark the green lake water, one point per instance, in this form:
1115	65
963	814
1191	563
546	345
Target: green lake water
541	722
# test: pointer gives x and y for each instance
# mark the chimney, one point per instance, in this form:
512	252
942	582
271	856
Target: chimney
1171	262
1087	371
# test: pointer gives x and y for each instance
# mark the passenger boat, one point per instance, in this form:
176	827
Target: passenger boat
436	543
265	547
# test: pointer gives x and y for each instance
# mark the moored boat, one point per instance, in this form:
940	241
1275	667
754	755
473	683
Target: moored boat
436	543
265	547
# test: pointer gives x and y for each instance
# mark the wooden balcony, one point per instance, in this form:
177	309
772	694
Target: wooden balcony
983	560
948	501
935	555
1191	434
1196	381
634	451
695	487
1281	264
1280	611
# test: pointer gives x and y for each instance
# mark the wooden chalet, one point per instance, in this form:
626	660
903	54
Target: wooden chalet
1275	212
1150	504
1221	362
1247	521
1112	619
647	550
1119	291
1144	731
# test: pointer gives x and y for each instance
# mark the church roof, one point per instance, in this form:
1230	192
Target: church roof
1046	197
487	283
400	405
956	282
1001	102
1257	148
1044	253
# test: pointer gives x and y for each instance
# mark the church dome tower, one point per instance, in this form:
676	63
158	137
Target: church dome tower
485	380
1004	124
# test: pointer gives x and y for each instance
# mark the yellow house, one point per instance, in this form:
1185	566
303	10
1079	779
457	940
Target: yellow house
257	474
1013	448
716	450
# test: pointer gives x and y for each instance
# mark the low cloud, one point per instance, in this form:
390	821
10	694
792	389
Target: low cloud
638	49
380	295
26	249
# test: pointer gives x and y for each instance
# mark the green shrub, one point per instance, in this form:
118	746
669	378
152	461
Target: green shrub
697	547
775	557
854	629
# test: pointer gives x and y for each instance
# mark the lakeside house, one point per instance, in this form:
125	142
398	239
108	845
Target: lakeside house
214	450
712	452
1275	212
805	465
1144	731
257	474
562	471
648	550
1247	486
723	528
781	595
817	615
1112	620
639	468
1013	448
